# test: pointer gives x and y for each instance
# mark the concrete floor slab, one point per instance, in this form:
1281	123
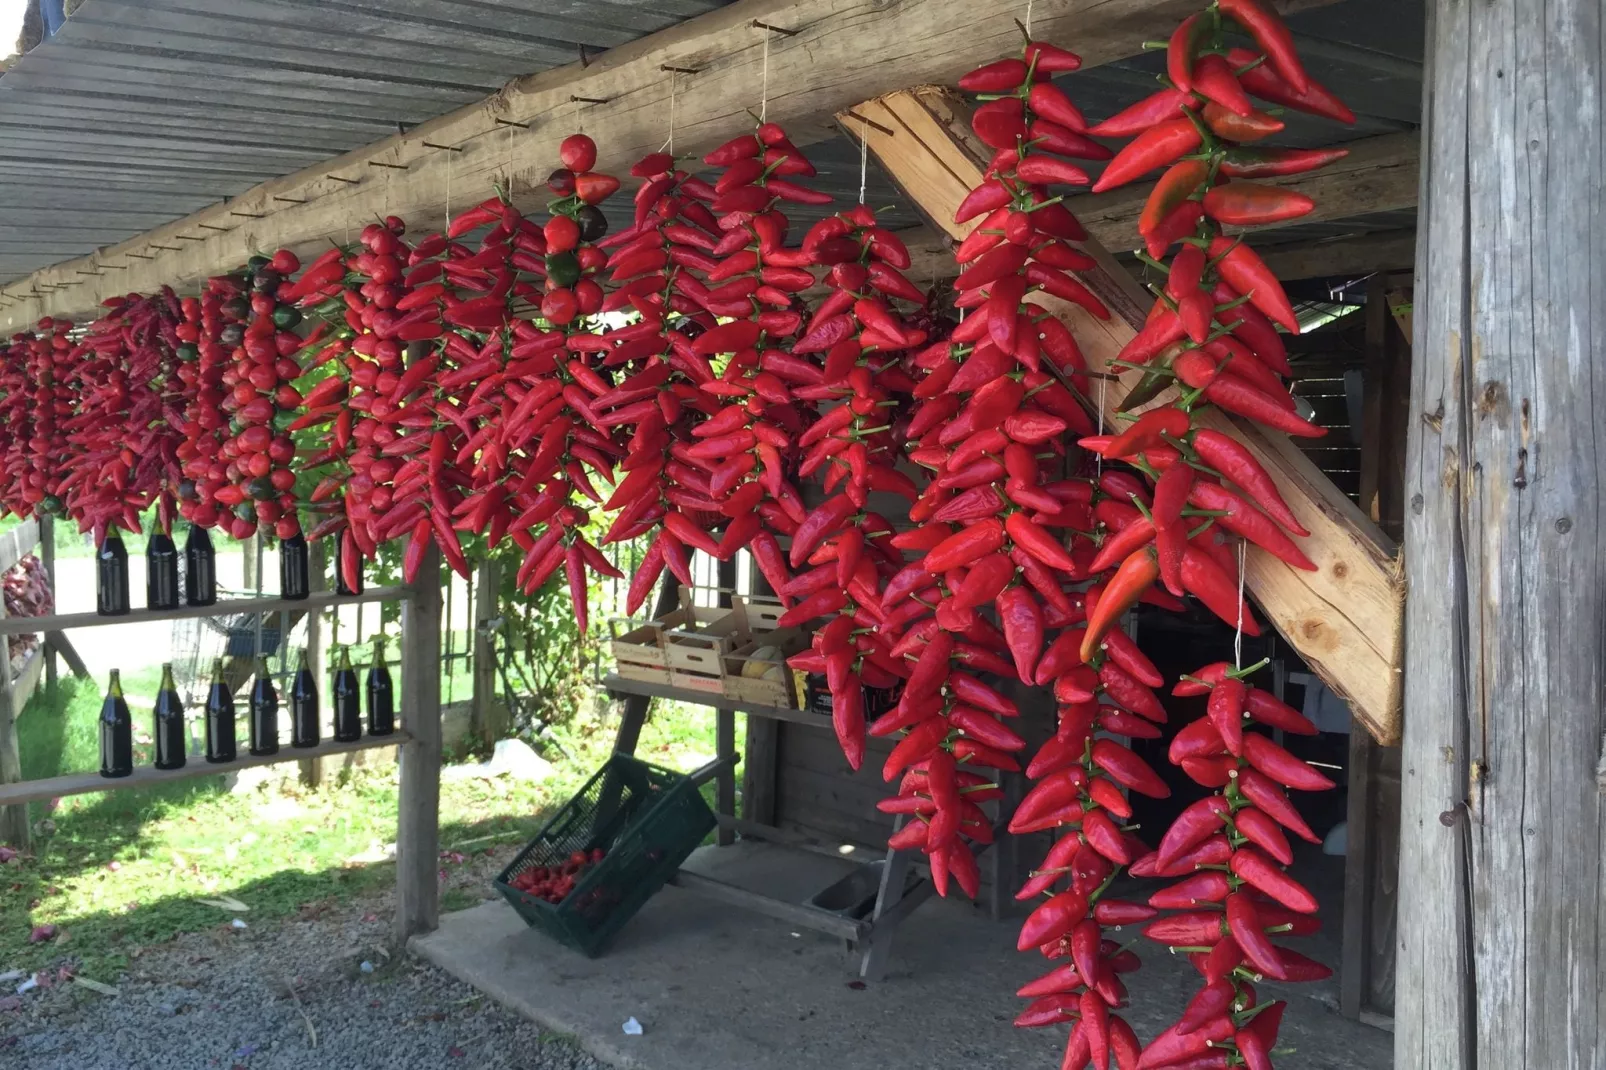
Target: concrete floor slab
718	988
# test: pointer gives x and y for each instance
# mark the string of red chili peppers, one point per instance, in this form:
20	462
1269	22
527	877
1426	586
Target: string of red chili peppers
127	429
1212	328
42	399
849	548
661	401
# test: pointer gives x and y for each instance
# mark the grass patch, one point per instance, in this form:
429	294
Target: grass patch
120	870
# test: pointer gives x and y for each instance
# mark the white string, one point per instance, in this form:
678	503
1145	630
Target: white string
1029	18
764	97
669	145
864	157
1098	458
1238	639
449	156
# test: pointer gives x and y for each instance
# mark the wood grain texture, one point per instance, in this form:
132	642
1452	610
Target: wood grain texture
843	51
418	796
1502	902
1354	256
18	543
1344	619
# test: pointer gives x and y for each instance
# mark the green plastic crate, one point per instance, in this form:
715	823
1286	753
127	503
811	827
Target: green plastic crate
648	820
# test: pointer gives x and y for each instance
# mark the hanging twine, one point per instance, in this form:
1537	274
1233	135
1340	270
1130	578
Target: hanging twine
1238	638
669	143
864	157
764	90
1029	18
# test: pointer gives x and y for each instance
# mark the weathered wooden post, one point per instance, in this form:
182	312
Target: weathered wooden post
418	796
1502	906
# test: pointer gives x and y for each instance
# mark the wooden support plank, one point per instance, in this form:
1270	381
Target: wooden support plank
488	716
837	53
18	543
1385	251
1503	885
1344	619
1360	832
1378	175
59	644
419	792
324	600
47	557
793	913
145	776
312	770
13	818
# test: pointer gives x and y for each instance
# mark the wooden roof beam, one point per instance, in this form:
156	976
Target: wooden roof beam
1344	619
837	53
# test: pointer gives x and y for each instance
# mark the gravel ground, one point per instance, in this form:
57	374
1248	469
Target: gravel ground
293	995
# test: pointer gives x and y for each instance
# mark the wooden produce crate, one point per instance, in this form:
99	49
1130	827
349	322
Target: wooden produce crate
766	651
641	648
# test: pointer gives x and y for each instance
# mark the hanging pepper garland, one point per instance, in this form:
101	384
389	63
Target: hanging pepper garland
674	376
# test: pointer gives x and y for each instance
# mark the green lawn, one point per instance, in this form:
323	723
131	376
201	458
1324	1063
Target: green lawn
124	869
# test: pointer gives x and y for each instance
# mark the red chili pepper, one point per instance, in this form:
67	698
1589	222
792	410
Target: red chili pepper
1268	796
1230	126
1272	163
1137	573
1182	50
1245	272
1157	146
1271	34
1204	579
1213	79
1245	925
1249	204
1127	769
1241	518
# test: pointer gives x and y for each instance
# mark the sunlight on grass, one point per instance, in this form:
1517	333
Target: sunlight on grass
123	869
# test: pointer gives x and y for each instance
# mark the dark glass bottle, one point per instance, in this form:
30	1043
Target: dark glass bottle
304	727
111	576
172	734
161	572
295	573
381	695
116	732
200	568
348	700
220	745
264	712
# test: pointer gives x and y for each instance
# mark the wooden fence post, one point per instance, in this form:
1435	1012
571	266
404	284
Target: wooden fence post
47	557
312	769
1502	903
419	793
488	716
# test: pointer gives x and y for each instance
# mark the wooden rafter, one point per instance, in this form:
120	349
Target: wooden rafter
832	54
1345	619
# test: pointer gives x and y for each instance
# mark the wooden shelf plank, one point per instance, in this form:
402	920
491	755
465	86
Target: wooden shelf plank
620	685
22	688
18	543
800	914
61	622
83	783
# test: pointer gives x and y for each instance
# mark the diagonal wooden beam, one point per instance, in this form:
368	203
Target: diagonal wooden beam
830	55
1345	619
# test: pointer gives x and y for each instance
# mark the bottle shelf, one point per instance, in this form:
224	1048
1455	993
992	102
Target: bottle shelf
60	622
196	766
